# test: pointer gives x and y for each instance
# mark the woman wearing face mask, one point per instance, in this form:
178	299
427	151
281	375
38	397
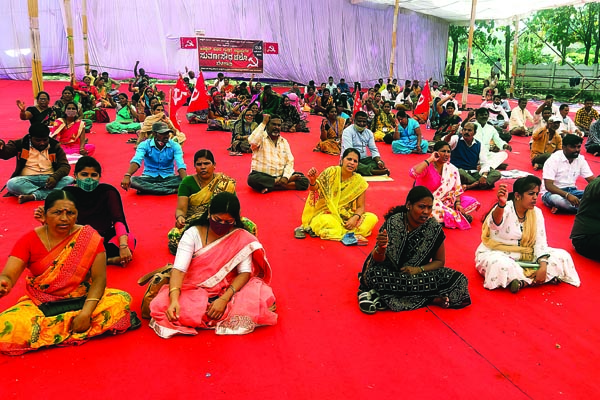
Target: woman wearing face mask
41	113
220	278
336	203
70	132
100	206
450	207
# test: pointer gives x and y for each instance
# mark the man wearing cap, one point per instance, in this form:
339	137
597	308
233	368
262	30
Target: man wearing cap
42	164
159	154
546	140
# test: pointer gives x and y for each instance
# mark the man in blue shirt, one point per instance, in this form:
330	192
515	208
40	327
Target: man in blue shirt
358	137
158	154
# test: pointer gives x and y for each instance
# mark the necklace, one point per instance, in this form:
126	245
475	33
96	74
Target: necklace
48	237
519	217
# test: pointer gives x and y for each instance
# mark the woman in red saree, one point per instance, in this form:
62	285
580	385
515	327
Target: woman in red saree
67	301
219	278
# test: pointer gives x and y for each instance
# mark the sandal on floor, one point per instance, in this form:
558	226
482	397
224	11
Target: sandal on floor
131	140
366	301
299	233
516	285
468	217
311	233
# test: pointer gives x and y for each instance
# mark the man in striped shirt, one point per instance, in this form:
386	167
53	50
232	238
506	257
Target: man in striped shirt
272	165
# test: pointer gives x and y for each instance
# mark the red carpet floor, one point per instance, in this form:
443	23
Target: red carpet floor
539	344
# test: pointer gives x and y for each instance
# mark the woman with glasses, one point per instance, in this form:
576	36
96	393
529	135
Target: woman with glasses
220	278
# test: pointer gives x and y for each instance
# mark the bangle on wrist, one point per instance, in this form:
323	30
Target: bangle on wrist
422	269
566	196
427	162
501	206
128	174
91	299
232	289
312	184
123	246
174	289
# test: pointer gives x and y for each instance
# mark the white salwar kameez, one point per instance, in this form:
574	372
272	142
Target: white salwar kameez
499	268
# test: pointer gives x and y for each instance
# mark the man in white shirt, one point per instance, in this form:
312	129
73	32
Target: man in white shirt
332	87
567	125
519	117
403	102
487	134
561	171
386	95
495	110
272	165
220	81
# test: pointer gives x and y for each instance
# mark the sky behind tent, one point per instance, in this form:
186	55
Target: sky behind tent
459	11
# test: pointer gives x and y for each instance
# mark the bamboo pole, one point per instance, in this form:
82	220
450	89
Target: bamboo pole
37	81
513	74
395	27
86	49
70	44
465	94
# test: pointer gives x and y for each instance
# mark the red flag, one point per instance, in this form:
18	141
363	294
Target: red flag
357	103
179	95
199	100
424	100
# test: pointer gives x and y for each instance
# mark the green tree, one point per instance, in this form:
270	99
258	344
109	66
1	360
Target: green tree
585	27
457	34
555	26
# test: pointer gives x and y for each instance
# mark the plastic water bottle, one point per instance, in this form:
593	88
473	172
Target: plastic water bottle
428	125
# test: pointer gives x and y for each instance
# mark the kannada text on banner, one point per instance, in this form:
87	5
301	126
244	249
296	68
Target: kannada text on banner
233	55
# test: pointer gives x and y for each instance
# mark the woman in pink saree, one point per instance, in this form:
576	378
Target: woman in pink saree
450	206
220	278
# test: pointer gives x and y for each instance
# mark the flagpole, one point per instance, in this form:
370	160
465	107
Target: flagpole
70	44
513	75
37	80
394	29
86	49
469	53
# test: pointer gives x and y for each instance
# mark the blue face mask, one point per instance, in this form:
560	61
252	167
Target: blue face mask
87	184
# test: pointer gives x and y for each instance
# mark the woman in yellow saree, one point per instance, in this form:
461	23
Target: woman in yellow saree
336	203
67	301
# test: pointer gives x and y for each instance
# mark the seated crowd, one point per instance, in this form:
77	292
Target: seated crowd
84	226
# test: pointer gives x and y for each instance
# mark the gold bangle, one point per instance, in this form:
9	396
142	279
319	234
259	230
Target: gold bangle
92	299
232	289
422	269
174	289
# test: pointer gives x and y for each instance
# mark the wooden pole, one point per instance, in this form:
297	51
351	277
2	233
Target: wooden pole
37	81
465	94
86	49
70	44
395	27
513	74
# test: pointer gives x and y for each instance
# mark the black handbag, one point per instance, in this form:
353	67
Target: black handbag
54	308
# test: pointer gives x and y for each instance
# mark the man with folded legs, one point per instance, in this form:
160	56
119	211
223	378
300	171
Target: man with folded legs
42	164
159	155
272	165
561	171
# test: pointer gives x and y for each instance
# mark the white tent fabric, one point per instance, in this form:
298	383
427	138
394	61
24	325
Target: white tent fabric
459	11
316	38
